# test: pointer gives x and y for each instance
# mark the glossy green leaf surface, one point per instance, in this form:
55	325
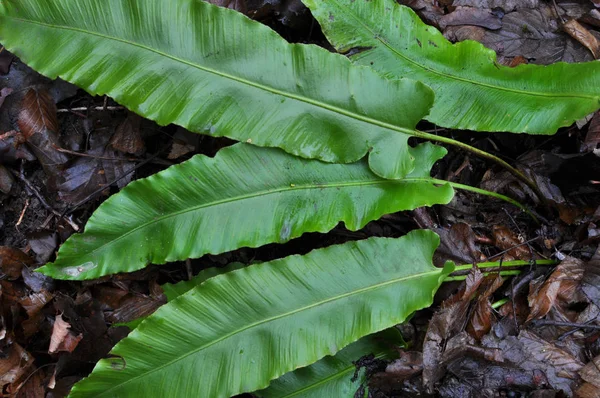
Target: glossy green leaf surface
245	196
472	91
237	331
215	71
332	376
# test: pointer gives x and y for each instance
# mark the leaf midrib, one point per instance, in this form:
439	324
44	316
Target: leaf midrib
272	90
253	195
377	36
271	319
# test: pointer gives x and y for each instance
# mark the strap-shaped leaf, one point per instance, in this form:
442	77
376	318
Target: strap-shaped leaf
333	376
472	91
215	71
237	331
245	196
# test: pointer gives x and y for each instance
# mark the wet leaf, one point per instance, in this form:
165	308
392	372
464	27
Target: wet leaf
480	322
532	354
591	374
14	363
458	245
5	92
127	137
592	138
506	239
563	281
39	126
448	321
12	261
43	244
471	16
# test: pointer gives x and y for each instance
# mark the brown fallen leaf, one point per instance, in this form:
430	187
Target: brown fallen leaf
592	138
583	36
14	364
480	322
62	338
5	92
33	303
12	261
39	126
457	244
563	283
471	16
505	239
127	137
447	322
591	374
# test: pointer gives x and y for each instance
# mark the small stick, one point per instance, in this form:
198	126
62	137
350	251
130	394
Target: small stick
545	322
22	213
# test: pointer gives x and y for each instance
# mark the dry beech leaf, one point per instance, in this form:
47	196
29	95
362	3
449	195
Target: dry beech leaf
62	338
562	283
39	126
583	36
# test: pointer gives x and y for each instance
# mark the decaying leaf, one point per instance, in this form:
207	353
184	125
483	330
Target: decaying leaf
14	363
458	245
564	282
592	138
480	322
127	137
444	324
39	126
556	368
590	373
583	36
506	239
5	92
471	16
62	338
12	261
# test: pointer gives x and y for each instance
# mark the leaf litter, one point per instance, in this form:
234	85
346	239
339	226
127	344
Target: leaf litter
535	333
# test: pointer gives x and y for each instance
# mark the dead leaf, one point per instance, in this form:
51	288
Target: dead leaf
505	5
5	92
35	386
89	174
445	323
592	138
6	180
529	32
457	244
43	244
473	17
583	36
563	283
127	137
33	303
39	126
12	261
591	374
62	338
14	363
480	322
532	354
505	239
6	59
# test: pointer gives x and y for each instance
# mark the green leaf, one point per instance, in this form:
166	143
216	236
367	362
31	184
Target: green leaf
213	70
472	91
237	331
245	196
332	376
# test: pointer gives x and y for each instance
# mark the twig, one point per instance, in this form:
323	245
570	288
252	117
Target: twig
22	213
545	322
